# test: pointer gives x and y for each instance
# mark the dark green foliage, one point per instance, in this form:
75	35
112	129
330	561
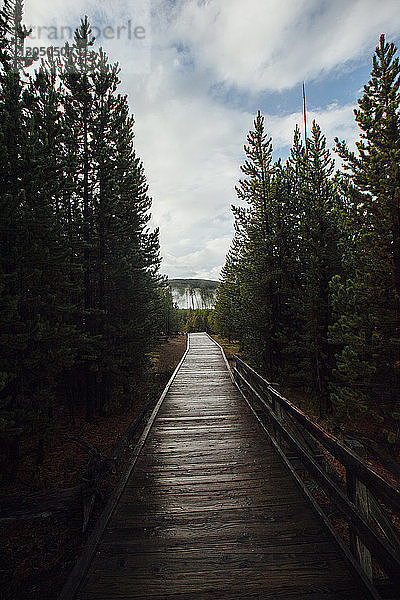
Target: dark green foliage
256	252
119	256
15	330
311	285
319	256
274	293
200	319
228	309
366	297
79	267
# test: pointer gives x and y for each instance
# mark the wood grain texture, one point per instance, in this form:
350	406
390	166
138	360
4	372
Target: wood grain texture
210	511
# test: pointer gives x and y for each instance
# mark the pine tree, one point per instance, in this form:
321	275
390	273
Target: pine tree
13	334
320	260
274	294
168	323
45	252
370	344
254	226
297	366
78	265
254	277
228	307
78	99
120	257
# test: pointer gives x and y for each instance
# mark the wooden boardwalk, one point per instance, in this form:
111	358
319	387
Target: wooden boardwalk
210	511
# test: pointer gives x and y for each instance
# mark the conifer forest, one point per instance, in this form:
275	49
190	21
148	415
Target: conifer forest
311	283
90	327
79	263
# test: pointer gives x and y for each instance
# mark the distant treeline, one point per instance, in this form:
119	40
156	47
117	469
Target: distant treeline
311	284
193	283
79	286
175	320
194	293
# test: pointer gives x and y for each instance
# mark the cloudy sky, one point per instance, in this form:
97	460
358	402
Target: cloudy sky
197	71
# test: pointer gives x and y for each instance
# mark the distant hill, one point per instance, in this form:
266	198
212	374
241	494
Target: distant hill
193	293
195	283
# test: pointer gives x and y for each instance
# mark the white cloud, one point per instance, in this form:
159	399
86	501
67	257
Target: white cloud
192	152
275	44
191	149
334	120
192	144
205	263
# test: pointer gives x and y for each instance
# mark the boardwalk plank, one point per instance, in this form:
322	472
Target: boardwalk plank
210	511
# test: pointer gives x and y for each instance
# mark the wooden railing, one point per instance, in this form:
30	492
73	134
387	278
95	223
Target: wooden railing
363	498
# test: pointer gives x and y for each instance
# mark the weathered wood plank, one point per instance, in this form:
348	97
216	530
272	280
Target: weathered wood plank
210	511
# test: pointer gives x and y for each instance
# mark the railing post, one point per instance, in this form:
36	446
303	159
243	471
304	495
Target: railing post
359	496
237	379
368	495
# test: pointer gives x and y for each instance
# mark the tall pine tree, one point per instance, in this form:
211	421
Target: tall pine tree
371	337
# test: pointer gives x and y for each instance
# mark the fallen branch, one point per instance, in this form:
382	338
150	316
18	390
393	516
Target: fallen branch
99	466
44	504
39	504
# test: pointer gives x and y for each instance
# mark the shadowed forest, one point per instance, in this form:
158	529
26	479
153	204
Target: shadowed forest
311	284
89	330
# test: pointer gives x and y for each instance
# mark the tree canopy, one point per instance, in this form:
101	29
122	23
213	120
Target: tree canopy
310	286
79	265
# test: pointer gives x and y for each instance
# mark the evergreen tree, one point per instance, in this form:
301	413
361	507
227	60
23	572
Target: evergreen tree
297	365
78	100
78	265
42	256
274	293
370	337
13	334
320	261
228	307
254	227
251	303
120	256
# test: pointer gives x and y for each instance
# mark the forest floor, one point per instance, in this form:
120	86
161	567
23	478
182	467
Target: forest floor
36	556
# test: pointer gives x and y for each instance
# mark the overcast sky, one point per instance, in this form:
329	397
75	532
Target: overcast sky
197	71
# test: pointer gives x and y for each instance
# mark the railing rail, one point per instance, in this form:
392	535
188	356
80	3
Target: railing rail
363	496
